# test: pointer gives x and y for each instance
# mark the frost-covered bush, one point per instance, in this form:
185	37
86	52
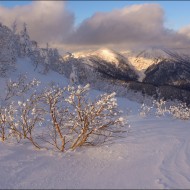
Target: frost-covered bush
160	108
3	121
182	111
145	110
93	122
74	120
10	112
51	100
19	87
7	119
59	118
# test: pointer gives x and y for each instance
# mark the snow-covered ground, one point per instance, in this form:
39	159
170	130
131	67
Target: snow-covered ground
154	154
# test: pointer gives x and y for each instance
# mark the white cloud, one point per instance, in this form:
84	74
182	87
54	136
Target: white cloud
185	31
133	26
47	20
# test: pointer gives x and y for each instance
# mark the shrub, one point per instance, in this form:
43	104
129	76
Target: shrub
59	118
159	108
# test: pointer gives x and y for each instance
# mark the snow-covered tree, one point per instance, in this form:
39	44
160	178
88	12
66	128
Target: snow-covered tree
73	76
14	27
25	42
55	60
8	52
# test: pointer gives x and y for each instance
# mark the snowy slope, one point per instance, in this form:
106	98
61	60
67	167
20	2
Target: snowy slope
155	154
24	67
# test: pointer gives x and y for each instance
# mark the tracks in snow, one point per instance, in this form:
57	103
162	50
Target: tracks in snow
175	166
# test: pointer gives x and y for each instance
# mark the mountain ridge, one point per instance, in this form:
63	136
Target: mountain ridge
171	69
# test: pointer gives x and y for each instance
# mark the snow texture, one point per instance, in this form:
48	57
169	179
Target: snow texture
154	154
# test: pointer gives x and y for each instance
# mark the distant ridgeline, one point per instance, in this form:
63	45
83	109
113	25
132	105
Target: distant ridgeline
168	77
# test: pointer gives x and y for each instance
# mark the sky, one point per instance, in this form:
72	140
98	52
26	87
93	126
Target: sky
87	24
177	12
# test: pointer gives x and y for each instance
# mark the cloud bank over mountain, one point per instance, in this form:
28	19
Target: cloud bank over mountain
47	21
130	27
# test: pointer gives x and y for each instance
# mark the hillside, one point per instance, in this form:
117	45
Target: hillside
159	71
156	146
169	72
154	153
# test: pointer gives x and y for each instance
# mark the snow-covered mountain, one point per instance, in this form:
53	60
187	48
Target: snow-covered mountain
150	59
108	62
144	71
104	54
162	66
169	72
137	64
142	59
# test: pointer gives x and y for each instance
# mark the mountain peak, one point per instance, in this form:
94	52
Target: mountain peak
105	54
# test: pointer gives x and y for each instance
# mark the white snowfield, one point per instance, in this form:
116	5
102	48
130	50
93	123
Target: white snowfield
154	154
